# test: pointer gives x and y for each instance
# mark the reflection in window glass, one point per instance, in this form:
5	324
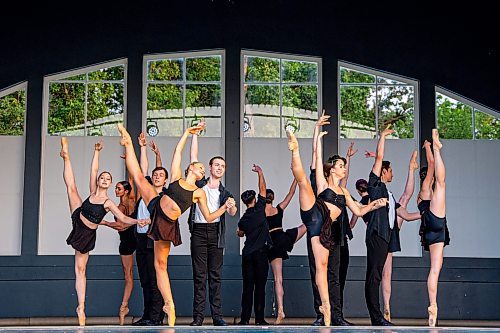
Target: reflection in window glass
280	94
181	92
454	118
12	110
369	103
86	104
486	126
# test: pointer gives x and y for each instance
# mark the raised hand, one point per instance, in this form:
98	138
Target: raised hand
99	145
256	168
413	161
351	151
196	129
293	144
154	147
387	131
369	154
64	148
426	144
322	134
323	120
142	139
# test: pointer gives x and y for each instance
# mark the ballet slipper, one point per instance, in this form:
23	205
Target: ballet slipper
435	139
280	317
126	139
170	312
64	149
387	314
433	312
327	316
293	144
80	311
124	310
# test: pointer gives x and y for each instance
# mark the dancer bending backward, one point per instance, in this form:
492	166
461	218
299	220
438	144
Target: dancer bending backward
433	228
314	213
283	242
166	209
394	244
86	217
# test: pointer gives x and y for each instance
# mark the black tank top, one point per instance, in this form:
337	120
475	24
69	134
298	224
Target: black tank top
276	220
328	195
93	212
182	197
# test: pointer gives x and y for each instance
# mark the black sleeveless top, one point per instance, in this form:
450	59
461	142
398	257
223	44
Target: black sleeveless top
182	197
328	195
93	212
276	220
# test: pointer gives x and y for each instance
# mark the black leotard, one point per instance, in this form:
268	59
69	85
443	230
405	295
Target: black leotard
93	212
283	241
433	229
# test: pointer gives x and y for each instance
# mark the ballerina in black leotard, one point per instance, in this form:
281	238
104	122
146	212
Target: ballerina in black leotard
167	208
283	242
433	229
86	217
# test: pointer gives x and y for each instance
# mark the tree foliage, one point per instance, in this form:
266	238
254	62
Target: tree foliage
12	110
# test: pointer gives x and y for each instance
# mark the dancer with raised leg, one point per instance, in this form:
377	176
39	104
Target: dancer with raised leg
166	209
314	214
283	242
433	228
86	217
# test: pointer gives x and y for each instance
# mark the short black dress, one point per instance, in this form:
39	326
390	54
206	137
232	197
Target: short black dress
283	241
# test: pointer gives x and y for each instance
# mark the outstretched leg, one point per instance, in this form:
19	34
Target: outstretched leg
162	250
386	286
277	266
81	260
146	190
74	198
438	202
306	194
321	261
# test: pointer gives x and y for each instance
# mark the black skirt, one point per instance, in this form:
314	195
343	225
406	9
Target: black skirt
162	227
128	242
81	237
283	242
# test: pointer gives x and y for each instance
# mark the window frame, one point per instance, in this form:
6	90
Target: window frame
12	89
280	57
370	71
474	105
82	70
184	82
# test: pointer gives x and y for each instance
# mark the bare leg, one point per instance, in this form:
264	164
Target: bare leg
81	260
74	198
306	194
146	190
301	231
277	266
128	265
162	249
321	262
386	286
436	251
438	201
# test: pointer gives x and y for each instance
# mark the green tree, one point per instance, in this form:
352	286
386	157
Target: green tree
12	110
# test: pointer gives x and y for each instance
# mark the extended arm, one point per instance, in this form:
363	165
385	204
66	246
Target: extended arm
350	153
110	205
323	120
405	215
94	168
155	150
194	148
202	204
377	166
175	167
289	196
410	181
361	210
144	154
262	181
321	182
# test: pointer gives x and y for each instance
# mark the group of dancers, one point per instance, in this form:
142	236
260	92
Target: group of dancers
323	200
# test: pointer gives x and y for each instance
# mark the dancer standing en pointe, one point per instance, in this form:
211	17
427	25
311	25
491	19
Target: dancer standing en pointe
86	217
314	213
166	209
433	228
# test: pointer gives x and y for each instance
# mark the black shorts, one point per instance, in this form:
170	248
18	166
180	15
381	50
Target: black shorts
128	242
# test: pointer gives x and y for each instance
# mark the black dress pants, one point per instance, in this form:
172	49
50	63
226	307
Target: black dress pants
377	249
145	258
333	281
344	265
207	260
254	268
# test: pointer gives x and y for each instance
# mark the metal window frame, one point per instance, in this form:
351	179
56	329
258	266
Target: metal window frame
12	89
184	82
375	72
474	105
279	56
